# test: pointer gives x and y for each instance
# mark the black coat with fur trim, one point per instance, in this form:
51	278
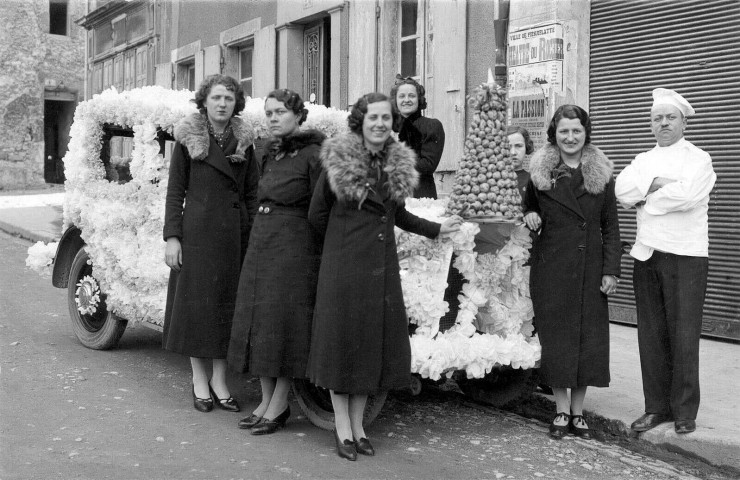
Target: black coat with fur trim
577	244
211	201
360	340
271	332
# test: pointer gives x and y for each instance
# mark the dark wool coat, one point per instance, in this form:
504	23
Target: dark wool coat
578	243
360	340
210	205
426	137
271	333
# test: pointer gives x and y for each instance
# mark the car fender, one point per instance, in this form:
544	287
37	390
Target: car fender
70	243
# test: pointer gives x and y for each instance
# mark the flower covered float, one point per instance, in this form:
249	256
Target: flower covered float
118	207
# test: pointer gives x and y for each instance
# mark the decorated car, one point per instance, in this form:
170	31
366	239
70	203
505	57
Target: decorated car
110	255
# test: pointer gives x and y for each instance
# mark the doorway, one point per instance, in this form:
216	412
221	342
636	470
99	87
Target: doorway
58	116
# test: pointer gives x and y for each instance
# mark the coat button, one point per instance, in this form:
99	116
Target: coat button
261	209
381	237
267	210
581	247
383	219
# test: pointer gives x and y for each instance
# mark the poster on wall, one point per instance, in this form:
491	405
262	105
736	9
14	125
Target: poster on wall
535	76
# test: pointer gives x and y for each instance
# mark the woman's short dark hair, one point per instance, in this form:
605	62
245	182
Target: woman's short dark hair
420	91
528	144
231	85
292	102
359	109
572	112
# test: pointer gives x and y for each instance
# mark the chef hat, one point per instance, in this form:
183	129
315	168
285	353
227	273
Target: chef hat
665	96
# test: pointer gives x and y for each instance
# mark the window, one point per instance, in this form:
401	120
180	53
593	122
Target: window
58	17
191	77
245	69
411	37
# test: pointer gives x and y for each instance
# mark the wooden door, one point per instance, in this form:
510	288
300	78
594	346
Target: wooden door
445	74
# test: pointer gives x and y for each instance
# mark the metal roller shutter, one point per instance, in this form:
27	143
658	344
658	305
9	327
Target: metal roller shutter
694	48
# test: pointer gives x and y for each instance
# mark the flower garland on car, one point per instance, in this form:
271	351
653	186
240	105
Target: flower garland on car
121	224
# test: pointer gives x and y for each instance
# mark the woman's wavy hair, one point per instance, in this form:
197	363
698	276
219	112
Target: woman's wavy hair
528	143
292	102
572	112
231	85
420	91
359	109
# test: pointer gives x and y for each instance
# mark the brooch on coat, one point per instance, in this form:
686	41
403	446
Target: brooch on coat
561	171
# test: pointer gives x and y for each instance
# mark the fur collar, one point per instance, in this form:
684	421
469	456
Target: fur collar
297	141
346	160
597	169
192	132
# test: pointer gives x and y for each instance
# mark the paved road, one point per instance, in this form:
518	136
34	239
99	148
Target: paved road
69	412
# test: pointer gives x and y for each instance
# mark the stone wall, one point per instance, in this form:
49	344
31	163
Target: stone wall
30	55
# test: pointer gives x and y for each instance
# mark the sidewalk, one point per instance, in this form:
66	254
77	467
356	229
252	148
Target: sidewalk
717	438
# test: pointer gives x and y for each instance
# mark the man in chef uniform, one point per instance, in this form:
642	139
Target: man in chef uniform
669	186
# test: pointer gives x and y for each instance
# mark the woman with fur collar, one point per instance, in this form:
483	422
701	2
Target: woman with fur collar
425	135
360	344
274	307
211	200
575	262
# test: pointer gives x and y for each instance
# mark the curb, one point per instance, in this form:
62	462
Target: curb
25	234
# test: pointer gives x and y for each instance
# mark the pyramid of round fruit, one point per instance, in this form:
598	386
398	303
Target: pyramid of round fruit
486	183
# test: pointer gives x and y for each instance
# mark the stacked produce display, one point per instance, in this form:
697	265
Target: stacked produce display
485	184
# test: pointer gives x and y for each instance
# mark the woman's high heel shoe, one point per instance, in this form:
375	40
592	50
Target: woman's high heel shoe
202	404
584	433
346	449
230	404
267	427
559	431
250	421
364	447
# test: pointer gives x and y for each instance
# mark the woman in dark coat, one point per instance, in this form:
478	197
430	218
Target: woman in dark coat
272	322
424	135
360	343
574	264
211	199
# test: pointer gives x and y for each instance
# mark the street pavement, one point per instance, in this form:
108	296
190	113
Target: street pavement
36	216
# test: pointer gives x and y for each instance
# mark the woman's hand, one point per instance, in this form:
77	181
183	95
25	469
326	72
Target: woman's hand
533	221
173	254
609	284
450	225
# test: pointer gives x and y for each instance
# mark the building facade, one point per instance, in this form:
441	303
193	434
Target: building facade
604	55
42	54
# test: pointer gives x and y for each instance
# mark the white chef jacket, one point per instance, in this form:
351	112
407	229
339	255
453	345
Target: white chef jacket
674	218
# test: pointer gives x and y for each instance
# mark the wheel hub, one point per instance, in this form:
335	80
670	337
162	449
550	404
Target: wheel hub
87	295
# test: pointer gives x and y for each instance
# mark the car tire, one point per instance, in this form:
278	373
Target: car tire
102	329
501	387
316	404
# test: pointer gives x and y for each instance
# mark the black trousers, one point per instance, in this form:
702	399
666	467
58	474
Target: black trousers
669	293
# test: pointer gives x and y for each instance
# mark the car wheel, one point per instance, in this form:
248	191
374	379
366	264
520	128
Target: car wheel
501	387
316	404
94	326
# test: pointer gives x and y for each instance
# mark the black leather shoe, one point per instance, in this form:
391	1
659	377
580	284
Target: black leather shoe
230	404
559	431
584	433
266	427
202	404
364	447
648	421
685	426
250	421
346	449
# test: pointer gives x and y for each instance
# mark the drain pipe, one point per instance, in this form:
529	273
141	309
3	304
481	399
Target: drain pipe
377	45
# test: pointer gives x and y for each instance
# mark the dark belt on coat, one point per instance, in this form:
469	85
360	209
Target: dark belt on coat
267	209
